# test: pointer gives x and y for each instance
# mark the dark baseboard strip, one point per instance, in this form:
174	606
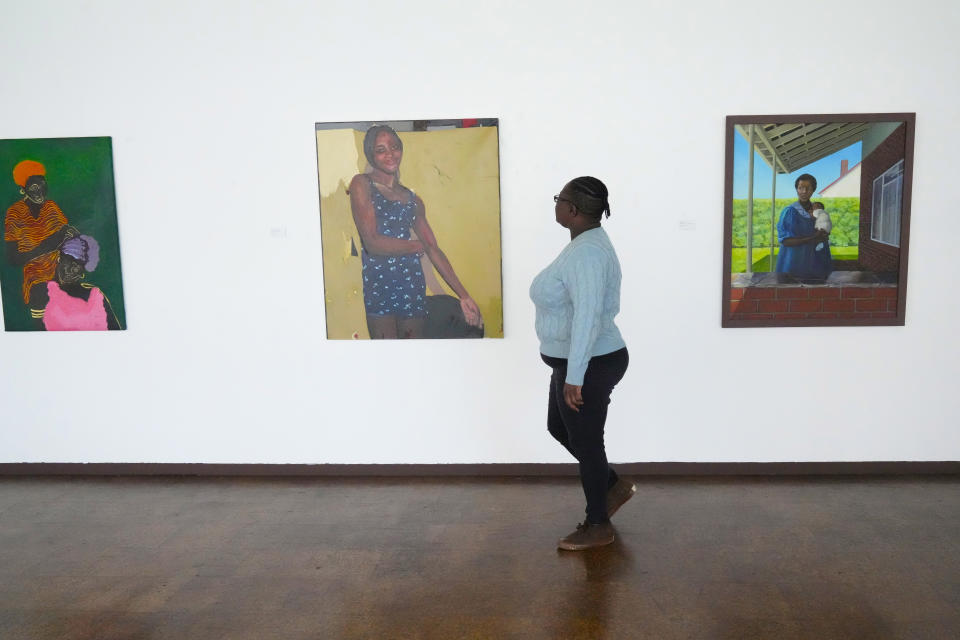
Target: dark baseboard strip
480	470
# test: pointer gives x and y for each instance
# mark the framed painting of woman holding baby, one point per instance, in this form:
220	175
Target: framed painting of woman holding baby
817	219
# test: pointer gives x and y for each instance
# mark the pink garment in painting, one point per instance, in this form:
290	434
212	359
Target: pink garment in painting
66	313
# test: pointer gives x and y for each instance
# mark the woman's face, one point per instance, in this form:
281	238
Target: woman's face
69	269
804	191
563	209
36	189
387	152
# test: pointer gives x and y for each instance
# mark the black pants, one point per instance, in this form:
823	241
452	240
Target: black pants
582	432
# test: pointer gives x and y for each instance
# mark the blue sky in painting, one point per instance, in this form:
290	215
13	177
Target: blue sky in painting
825	170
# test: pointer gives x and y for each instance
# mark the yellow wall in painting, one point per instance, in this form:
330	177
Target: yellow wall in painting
456	174
339	152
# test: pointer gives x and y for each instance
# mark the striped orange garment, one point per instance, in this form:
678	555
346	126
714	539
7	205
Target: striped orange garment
21	227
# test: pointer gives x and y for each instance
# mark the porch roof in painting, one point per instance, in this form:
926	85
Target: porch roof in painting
787	147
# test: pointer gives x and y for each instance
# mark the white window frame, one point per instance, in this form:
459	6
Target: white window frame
887	206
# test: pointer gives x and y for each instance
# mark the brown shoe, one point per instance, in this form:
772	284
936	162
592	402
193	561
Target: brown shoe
619	494
587	536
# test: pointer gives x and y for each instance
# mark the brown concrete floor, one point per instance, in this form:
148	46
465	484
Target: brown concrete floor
475	558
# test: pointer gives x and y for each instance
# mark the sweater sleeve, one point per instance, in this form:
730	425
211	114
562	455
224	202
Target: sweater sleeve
585	279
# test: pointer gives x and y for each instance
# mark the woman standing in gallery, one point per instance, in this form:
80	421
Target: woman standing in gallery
386	212
577	297
799	239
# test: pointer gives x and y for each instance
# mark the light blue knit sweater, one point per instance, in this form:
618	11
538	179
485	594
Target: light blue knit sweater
577	297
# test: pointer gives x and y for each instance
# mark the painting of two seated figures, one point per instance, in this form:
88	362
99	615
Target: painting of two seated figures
817	211
61	262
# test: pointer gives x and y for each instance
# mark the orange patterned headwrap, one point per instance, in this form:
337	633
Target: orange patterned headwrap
25	169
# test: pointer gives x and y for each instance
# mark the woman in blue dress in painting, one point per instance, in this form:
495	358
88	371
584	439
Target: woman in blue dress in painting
799	253
392	223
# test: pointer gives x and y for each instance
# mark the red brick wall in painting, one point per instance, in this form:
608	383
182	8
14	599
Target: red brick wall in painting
794	303
876	256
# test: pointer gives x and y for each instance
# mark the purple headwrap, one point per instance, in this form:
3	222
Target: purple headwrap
85	249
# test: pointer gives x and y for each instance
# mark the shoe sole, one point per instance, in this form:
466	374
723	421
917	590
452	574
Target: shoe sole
567	546
633	490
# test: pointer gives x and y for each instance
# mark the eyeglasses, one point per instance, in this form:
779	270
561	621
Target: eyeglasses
557	199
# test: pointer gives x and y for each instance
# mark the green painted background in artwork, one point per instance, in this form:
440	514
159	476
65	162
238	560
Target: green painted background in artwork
80	181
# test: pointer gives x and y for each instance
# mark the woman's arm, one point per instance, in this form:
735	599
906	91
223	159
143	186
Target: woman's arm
365	218
471	312
787	227
39	297
112	321
48	244
584	277
796	241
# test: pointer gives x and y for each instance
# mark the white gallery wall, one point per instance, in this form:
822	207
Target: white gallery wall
211	107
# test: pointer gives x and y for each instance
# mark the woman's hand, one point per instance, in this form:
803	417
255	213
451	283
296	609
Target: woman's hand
471	312
572	396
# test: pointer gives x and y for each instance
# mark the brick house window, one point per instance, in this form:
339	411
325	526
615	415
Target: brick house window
885	213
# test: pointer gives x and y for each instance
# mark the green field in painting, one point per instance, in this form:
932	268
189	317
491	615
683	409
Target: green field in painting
738	262
844	214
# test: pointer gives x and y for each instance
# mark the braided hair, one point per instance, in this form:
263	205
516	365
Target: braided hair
589	196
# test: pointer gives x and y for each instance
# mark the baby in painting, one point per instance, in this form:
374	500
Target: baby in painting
822	221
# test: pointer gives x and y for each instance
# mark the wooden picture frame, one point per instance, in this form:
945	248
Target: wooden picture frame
778	270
